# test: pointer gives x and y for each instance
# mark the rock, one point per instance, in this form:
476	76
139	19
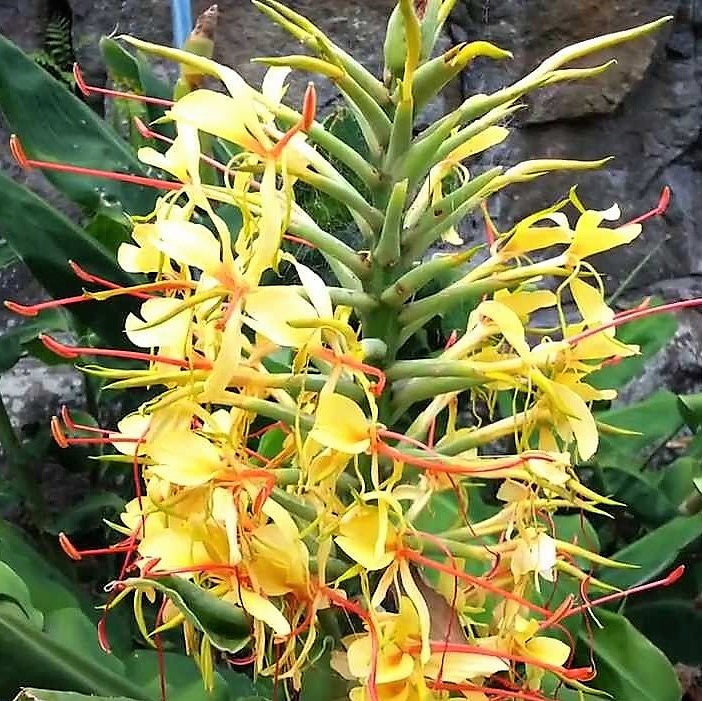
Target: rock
146	19
646	113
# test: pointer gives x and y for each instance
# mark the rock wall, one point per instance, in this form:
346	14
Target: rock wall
646	112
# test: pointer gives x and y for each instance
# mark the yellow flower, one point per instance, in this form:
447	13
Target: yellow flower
590	238
366	535
341	424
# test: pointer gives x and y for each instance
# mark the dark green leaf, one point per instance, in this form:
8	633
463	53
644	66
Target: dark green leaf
629	667
183	680
46	241
12	588
54	125
675	626
224	624
640	492
7	255
47	695
121	65
28	656
70	627
655	553
691	409
48	588
87	513
677	480
656	419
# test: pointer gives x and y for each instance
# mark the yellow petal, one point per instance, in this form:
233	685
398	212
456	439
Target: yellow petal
172	332
185	459
480	142
273	86
507	322
580	420
341	424
269	310
220	115
264	610
459	667
548	650
188	243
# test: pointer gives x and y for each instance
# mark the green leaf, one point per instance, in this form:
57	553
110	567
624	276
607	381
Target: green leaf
87	513
677	480
45	240
321	683
652	334
655	553
48	695
7	256
54	125
224	624
12	588
70	627
640	492
629	667
30	656
691	409
183	680
48	588
656	419
675	626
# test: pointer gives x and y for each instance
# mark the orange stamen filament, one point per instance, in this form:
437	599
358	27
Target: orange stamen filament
89	90
27	163
636	314
71	352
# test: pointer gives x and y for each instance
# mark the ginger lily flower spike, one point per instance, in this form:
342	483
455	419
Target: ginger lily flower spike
292	442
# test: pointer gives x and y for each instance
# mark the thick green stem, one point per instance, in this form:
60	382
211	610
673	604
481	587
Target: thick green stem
467	438
387	252
329	244
442	301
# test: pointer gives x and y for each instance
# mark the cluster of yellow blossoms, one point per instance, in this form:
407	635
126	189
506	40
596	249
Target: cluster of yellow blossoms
291	451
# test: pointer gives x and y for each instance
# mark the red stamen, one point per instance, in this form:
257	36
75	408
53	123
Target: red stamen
150	134
57	433
28	163
265	429
88	90
671	579
84	275
371	370
298	240
636	314
309	107
490	230
103	640
479	582
34	309
76	554
659	209
242	661
73	352
500	693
